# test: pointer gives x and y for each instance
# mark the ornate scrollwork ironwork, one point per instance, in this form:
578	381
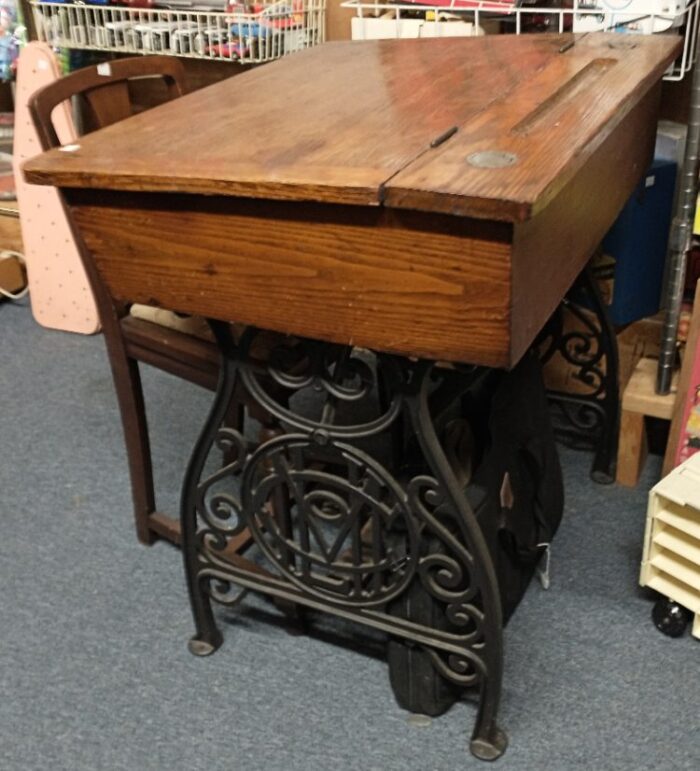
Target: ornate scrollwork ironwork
446	571
223	591
221	509
464	669
341	527
333	376
346	534
580	423
583	348
587	414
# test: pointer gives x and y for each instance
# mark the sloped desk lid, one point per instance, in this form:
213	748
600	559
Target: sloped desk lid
488	126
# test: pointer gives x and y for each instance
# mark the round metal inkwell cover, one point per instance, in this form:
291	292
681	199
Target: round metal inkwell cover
492	159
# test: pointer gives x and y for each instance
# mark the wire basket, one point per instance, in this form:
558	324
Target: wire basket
249	34
376	19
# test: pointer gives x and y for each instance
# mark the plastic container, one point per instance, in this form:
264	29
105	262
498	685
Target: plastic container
671	559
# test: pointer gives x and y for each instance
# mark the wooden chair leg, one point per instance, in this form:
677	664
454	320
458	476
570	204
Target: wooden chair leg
127	383
632	448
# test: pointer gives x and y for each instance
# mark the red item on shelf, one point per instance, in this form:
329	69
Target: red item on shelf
493	6
692	269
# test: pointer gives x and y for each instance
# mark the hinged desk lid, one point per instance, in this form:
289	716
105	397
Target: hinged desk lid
489	126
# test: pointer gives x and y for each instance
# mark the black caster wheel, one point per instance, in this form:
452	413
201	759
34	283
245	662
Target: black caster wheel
669	617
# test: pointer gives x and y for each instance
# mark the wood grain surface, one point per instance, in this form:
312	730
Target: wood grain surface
10	233
552	123
359	152
553	247
409	283
354	122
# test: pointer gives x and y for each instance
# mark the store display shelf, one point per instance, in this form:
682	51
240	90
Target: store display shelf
689	522
447	18
248	34
677	567
670	586
671	558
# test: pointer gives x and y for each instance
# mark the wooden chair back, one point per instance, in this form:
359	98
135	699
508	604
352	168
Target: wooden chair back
104	92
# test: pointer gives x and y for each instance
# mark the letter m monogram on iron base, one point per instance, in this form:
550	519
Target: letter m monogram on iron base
348	502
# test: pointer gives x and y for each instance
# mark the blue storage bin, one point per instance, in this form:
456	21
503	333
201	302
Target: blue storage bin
637	242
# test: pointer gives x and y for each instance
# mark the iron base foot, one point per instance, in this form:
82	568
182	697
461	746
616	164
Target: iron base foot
199	647
603	476
492	748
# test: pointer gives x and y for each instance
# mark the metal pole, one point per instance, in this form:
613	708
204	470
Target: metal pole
679	240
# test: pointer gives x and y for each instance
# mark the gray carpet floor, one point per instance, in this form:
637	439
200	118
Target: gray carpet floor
94	669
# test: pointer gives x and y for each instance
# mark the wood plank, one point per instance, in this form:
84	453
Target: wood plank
553	124
632	449
168	528
178	367
12	275
414	284
639	340
581	110
165	526
348	122
202	354
331	123
338	20
10	232
552	248
640	395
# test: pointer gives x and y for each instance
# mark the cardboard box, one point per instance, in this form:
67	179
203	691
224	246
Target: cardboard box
338	20
10	233
388	28
12	278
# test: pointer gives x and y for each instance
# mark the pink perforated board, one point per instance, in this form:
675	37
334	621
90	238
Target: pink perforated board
58	287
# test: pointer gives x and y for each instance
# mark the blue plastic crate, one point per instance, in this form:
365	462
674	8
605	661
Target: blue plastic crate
637	241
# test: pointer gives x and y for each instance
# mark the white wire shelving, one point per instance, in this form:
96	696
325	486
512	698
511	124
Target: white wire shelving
252	34
376	19
249	34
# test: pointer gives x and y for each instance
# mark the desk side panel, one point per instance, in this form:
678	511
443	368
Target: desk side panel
551	249
432	286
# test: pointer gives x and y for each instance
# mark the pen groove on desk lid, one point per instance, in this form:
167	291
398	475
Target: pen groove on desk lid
370	110
387	112
553	122
586	78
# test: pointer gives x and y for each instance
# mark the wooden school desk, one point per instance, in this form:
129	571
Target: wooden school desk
429	201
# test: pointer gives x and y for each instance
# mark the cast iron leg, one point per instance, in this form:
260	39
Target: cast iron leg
338	528
605	459
208	637
488	741
589	416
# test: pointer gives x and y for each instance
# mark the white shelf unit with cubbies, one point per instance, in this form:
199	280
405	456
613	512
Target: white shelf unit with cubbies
227	31
671	559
